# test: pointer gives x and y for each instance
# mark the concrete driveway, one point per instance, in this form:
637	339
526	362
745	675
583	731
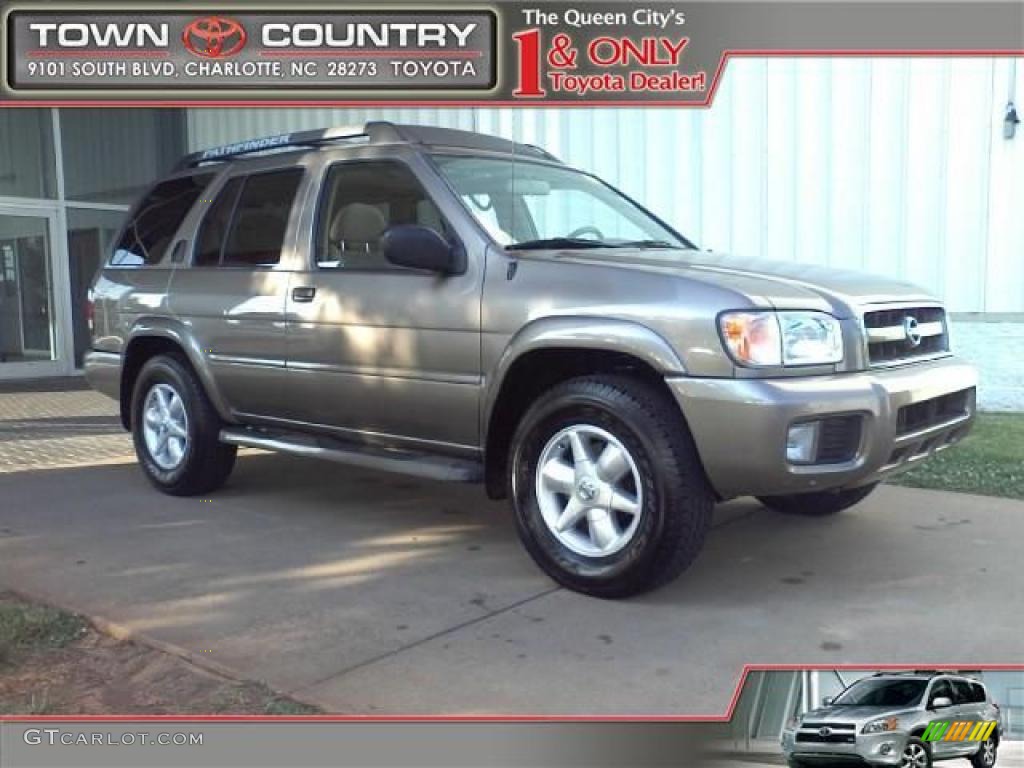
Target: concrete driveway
373	593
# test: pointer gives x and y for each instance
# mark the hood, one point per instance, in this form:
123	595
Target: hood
858	715
778	284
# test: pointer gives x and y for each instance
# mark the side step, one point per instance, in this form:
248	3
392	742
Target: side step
425	465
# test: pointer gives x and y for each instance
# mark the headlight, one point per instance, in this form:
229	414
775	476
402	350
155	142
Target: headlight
793	723
881	726
782	338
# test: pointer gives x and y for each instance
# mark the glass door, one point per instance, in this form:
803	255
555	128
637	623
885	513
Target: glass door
31	334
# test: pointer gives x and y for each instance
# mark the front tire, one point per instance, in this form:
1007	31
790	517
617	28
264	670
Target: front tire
609	494
916	754
176	429
819	503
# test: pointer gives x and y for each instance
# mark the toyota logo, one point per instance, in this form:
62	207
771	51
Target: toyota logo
825	732
214	37
912	331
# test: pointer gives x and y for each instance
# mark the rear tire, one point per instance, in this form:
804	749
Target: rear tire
626	512
818	504
986	755
176	430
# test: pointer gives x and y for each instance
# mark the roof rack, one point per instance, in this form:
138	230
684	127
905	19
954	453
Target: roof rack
373	132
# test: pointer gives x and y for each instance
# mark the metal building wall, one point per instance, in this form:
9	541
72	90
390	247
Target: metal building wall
896	166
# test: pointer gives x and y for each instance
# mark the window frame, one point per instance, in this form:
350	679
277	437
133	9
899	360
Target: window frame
245	175
133	211
451	234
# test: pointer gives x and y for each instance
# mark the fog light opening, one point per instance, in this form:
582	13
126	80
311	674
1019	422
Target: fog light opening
801	442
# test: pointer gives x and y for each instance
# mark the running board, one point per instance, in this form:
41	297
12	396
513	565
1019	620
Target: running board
425	465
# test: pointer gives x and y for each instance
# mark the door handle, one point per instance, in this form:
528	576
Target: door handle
303	293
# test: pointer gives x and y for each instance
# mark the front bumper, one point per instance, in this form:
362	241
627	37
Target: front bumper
876	749
740	425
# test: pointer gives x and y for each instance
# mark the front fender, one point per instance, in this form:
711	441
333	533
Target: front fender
572	332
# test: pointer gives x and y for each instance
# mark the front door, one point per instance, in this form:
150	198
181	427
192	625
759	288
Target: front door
378	351
31	334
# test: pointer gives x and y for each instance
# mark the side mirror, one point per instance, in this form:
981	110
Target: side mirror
827	701
942	702
409	245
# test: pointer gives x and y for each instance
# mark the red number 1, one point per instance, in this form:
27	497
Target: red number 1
529	64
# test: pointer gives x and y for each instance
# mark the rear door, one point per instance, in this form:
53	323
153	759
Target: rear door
377	351
232	295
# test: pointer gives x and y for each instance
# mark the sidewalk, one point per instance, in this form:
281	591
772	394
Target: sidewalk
58	423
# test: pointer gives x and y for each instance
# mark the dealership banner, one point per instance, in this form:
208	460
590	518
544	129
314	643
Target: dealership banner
502	53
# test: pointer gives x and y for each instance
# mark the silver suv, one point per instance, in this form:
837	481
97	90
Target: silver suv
906	720
462	307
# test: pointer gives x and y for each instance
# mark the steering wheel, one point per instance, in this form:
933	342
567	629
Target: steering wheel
586	229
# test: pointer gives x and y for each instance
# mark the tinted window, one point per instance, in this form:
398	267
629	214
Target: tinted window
361	201
156	219
214	230
961	692
977	693
261	219
246	225
879	692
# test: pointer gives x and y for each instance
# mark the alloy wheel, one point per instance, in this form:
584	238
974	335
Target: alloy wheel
915	756
165	426
988	752
589	490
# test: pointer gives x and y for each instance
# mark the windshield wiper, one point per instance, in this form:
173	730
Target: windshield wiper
647	244
558	242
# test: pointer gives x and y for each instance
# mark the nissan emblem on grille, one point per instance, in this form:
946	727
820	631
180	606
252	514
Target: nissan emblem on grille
910	327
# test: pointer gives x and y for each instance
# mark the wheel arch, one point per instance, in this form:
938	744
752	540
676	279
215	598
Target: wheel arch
156	336
550	350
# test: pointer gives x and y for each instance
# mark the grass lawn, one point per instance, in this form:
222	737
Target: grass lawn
989	462
53	662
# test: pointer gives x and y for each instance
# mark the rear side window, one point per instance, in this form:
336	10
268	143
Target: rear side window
246	225
155	220
977	693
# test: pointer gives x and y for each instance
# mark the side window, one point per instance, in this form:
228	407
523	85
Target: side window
214	230
977	693
961	692
941	689
155	220
246	225
361	200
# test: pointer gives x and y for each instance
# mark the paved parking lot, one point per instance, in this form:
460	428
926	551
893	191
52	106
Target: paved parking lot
373	593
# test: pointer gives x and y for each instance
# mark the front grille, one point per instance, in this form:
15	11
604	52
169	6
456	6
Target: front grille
930	413
835	737
888	339
833	726
838	439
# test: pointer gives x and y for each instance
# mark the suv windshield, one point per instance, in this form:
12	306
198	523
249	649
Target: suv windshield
882	693
526	205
